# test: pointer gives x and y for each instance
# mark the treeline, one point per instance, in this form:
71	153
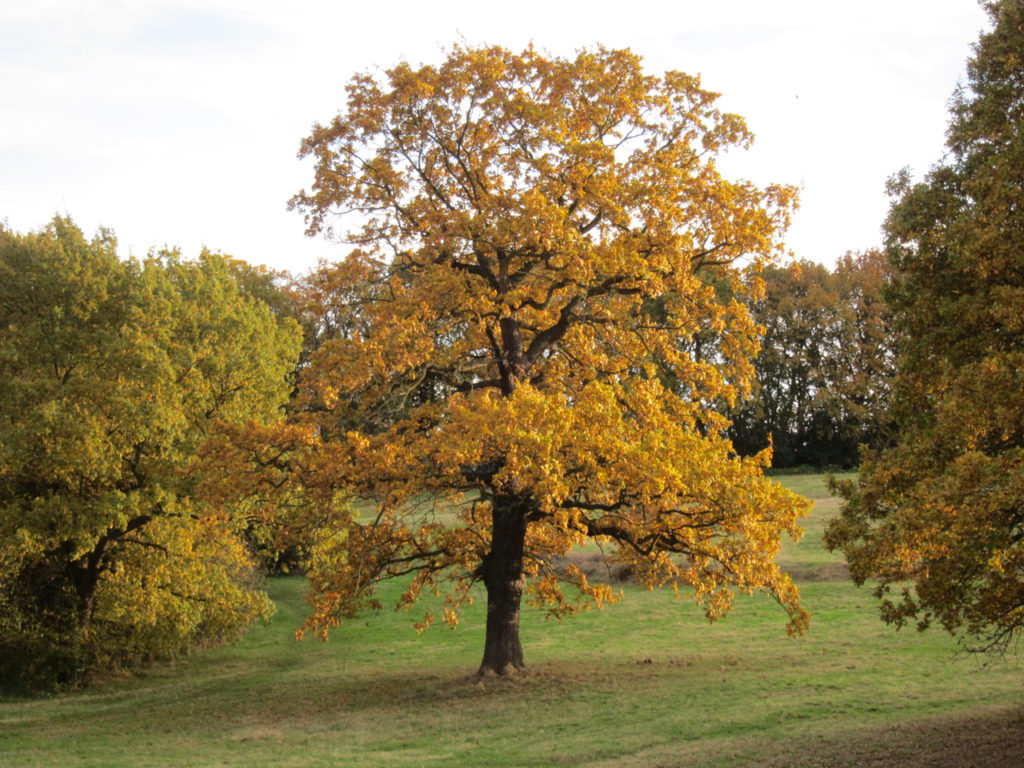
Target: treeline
823	375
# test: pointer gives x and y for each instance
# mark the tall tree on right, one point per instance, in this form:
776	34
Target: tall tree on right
938	519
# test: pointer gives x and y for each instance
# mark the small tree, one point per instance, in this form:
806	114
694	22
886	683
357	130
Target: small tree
939	518
539	242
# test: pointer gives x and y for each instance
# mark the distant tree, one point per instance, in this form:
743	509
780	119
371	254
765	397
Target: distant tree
938	519
326	308
861	364
797	312
111	374
539	241
821	376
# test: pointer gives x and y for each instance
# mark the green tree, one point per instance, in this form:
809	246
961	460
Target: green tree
861	364
821	376
938	519
540	237
796	312
111	374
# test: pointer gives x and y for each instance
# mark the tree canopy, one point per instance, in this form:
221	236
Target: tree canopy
510	370
939	518
112	372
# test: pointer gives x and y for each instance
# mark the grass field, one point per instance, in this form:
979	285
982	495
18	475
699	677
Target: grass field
647	682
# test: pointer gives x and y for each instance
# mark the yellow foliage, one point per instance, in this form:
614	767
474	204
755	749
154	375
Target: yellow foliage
542	240
112	374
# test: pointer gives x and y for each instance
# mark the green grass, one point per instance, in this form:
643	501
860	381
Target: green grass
647	682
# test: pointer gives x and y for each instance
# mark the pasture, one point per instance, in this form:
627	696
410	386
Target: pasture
647	682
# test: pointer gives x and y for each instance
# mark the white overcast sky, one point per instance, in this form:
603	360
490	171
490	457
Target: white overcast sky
177	123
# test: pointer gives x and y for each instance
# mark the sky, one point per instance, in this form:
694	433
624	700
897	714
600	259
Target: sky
178	123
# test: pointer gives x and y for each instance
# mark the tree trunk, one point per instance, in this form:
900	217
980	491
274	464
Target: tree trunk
502	571
84	575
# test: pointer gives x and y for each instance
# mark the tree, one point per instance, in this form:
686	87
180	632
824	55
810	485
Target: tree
796	312
822	376
111	374
537	243
938	519
861	368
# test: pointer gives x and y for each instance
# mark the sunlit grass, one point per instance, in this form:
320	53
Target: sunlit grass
646	682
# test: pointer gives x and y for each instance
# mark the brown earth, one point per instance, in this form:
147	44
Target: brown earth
993	739
596	566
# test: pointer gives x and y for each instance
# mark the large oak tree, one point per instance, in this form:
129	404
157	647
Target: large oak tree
938	520
539	241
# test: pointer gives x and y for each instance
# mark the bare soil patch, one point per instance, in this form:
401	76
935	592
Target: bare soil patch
595	565
993	739
824	572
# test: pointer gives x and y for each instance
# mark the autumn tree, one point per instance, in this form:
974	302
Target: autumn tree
537	240
938	519
111	374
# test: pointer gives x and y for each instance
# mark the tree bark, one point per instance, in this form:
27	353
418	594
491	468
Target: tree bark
84	575
502	572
